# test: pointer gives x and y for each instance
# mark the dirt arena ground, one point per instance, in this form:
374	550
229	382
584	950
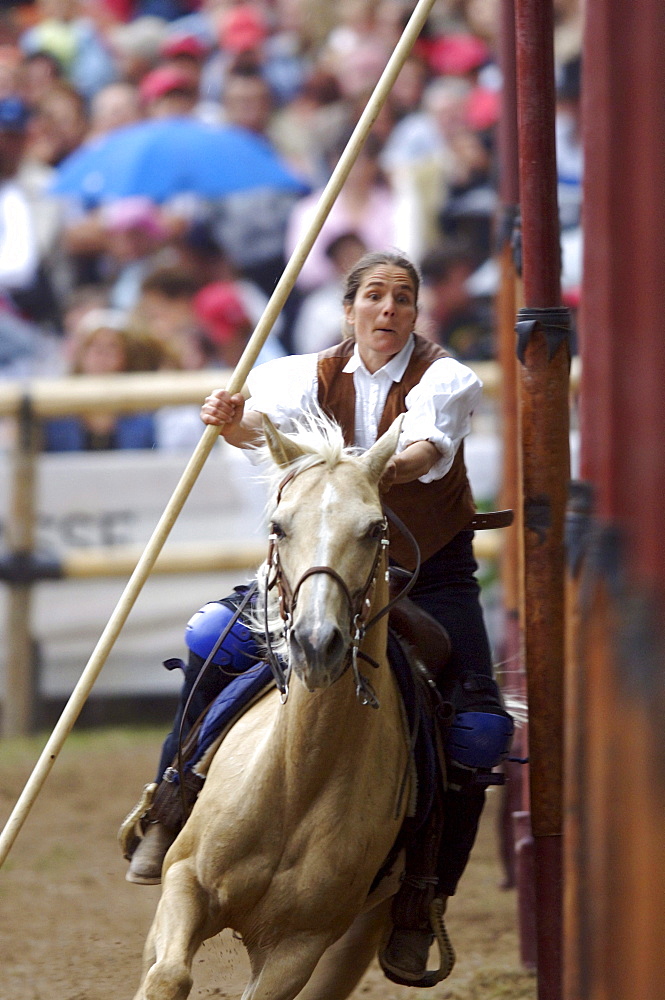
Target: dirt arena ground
72	928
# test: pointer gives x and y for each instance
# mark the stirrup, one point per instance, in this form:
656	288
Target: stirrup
131	831
446	951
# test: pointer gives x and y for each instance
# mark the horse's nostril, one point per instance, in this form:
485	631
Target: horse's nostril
336	646
301	644
321	648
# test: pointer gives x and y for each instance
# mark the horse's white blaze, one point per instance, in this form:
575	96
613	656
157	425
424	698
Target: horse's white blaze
320	628
323	557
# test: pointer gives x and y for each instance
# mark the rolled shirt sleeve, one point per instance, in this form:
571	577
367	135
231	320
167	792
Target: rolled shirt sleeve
284	389
439	410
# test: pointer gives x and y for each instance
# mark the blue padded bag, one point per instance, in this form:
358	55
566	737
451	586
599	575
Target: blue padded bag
239	649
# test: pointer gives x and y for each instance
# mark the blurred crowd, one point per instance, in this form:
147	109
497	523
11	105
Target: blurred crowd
124	249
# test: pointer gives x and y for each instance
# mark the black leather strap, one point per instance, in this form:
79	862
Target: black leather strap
491	519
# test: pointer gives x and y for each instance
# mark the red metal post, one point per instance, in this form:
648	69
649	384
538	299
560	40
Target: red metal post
615	934
515	831
544	350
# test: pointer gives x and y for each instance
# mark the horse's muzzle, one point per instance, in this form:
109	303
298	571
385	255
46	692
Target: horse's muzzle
317	654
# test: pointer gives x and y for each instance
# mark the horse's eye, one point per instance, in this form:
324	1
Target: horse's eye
376	530
276	530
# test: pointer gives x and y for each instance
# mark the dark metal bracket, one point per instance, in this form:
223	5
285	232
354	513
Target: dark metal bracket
554	322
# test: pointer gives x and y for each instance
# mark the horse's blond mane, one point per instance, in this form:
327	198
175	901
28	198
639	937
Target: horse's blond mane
322	441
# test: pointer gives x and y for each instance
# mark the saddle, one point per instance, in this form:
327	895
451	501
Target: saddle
421	632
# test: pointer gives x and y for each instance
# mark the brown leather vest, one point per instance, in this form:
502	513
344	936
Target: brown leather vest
434	511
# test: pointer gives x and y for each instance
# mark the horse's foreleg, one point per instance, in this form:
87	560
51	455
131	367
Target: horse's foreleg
343	965
181	924
148	959
282	972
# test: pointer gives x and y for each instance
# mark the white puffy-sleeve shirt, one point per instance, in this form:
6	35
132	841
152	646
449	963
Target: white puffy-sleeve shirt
439	407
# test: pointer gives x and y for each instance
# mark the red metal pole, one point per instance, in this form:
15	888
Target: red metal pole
515	831
614	939
544	350
621	308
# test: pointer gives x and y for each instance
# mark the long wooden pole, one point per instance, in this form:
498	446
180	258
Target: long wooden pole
235	384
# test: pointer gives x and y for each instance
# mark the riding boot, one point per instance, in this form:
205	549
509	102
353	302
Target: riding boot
146	863
158	826
417	913
404	959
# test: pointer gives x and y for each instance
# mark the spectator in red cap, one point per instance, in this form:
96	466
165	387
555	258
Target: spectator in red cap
249	42
188	53
241	35
190	47
222	312
242	29
470	58
169	90
457	55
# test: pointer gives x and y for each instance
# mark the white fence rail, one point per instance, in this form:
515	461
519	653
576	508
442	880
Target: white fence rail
73	524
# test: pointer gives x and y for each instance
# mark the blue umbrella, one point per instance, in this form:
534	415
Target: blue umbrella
164	157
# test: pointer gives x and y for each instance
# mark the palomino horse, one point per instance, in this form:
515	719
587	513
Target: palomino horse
306	795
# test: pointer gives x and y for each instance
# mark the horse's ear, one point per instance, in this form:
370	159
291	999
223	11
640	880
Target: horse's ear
283	449
376	458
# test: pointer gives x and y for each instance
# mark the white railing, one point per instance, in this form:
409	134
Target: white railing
24	562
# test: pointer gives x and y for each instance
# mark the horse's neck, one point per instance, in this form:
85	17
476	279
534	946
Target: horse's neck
322	729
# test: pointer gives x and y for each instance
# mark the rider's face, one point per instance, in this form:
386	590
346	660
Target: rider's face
382	314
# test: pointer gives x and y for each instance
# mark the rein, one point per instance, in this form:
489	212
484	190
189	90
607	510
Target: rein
358	607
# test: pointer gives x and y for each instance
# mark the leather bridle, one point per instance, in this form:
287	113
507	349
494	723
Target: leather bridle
358	605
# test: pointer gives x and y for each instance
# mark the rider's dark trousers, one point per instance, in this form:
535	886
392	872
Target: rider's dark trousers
447	588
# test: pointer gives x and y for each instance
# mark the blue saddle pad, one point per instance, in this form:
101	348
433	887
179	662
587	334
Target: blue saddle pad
229	703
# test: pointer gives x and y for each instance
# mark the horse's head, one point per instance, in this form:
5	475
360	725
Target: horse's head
328	541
